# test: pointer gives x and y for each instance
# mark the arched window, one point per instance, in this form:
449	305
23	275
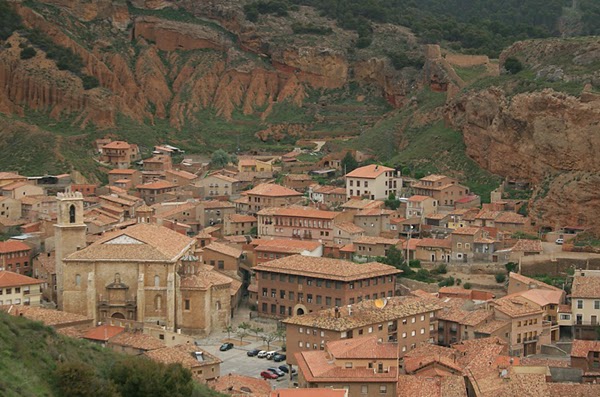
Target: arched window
78	280
218	305
158	302
72	214
156	281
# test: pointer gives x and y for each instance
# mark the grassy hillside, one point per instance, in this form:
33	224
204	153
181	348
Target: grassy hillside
37	362
416	138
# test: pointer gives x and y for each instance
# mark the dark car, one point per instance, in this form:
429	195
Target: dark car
268	375
286	369
253	352
276	371
279	357
226	346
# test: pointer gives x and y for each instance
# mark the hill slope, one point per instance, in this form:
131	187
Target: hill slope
36	362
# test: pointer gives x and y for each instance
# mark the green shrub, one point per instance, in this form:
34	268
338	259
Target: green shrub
513	65
89	82
364	42
511	266
500	277
458	281
27	53
414	263
467	286
9	20
311	29
447	282
440	269
400	60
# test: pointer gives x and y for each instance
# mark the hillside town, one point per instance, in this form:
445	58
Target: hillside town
305	274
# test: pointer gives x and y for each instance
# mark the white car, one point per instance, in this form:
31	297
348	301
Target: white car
262	354
271	354
560	241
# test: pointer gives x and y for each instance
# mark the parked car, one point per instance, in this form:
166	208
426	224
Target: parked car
226	346
262	354
286	369
253	352
271	354
268	375
560	241
279	357
276	371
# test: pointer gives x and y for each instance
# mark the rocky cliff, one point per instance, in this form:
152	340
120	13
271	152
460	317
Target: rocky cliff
548	138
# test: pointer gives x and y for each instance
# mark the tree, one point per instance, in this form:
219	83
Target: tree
220	158
513	65
229	330
256	331
500	277
392	202
27	52
394	258
467	285
268	338
76	379
136	378
511	266
349	163
242	333
281	335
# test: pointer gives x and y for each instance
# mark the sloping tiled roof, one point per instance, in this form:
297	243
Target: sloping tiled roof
49	317
10	279
365	313
370	171
417	199
224	249
349	227
492	326
232	384
435	243
421	386
510	217
156	185
573	389
359	204
272	190
467	231
239	218
363	348
117	145
585	287
332	269
312	392
103	332
299	211
157	243
528	246
205	278
287	245
181	354
13	246
581	348
516	306
137	340
543	297
528	281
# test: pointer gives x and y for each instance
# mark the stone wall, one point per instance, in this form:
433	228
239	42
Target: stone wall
556	264
466	61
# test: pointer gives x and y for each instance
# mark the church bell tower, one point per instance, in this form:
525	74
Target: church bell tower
69	234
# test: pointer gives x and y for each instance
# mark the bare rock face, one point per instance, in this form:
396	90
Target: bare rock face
546	137
115	11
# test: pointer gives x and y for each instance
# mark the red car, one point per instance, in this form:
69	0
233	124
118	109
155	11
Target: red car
268	375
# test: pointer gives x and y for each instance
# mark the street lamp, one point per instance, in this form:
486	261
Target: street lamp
408	243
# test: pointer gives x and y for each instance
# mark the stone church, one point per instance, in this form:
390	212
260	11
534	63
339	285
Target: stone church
144	273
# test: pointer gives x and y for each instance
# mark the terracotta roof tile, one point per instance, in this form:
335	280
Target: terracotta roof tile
240	385
349	227
137	340
126	171
299	211
573	389
212	204
435	242
205	278
13	246
530	281
362	348
272	190
585	287
370	240
182	354
468	231
371	171
285	245
419	386
224	249
117	145
516	306
581	348
10	279
365	313
50	317
103	332
332	269
510	217
417	199
156	185
492	326
153	243
239	218
359	204
528	246
312	392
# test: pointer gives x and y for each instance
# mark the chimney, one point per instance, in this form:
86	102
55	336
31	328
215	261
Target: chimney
349	310
337	312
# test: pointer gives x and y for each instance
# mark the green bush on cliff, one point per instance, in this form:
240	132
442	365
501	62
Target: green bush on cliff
9	20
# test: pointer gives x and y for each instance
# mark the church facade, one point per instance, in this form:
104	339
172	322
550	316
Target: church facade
144	273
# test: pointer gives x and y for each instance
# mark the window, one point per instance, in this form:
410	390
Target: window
413	333
273	293
404	334
221	265
299	344
309	298
412	320
596	305
264	307
158	302
338	302
422	331
264	292
301	330
319	299
382	389
282	294
422	318
156	281
187	304
300	297
348	365
319	283
72	214
328	284
580	304
403	348
78	280
364	389
328	300
291	295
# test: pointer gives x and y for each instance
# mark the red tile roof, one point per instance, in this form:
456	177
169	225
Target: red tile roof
581	348
417	199
272	190
299	211
370	171
156	185
586	287
117	145
435	243
13	246
363	348
10	279
103	333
